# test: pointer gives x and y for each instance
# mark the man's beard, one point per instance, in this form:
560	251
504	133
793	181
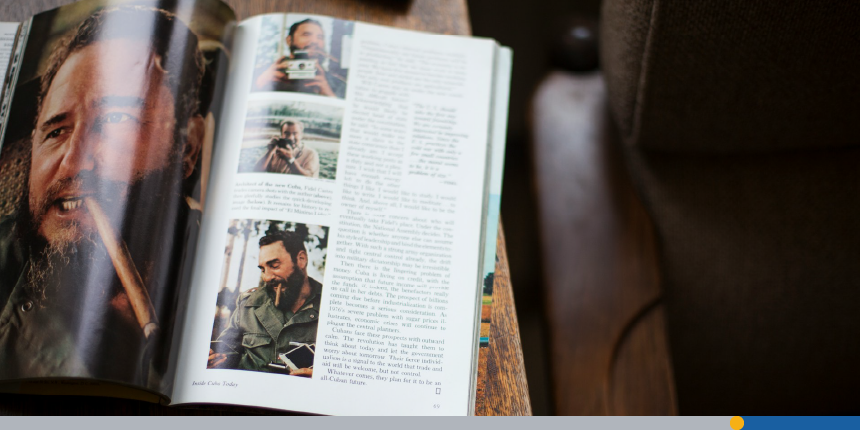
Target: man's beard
112	196
291	288
75	256
81	260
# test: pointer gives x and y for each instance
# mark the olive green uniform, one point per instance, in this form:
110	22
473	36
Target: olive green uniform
258	331
35	341
55	337
76	331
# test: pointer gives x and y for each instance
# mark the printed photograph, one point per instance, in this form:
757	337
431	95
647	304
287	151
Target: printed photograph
294	138
267	311
109	120
304	54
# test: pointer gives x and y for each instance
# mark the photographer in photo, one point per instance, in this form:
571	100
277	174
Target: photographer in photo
302	70
287	153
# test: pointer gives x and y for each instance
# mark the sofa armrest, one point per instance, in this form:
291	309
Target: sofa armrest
608	345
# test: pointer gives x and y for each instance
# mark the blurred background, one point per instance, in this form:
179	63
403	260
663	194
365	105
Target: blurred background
530	29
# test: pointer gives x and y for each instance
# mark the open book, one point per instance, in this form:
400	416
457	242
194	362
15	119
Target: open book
292	212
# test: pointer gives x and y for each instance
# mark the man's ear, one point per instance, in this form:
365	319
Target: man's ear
193	143
289	41
302	260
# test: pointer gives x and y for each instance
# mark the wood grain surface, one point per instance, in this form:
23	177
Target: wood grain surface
608	343
506	384
507	389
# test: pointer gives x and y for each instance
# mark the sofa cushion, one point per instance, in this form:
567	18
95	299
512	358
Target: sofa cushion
760	259
733	75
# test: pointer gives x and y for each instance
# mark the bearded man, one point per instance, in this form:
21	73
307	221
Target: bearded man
305	40
288	154
276	318
118	127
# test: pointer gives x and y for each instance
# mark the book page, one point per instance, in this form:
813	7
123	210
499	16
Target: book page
8	36
343	261
498	136
110	119
8	31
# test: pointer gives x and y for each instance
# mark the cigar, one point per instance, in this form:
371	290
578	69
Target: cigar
277	294
125	269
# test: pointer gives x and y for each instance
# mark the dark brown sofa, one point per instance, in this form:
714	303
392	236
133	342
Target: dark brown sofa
700	211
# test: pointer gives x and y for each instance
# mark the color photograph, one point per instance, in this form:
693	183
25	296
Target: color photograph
268	305
295	138
108	120
303	53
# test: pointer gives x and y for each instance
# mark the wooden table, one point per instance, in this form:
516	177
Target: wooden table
506	388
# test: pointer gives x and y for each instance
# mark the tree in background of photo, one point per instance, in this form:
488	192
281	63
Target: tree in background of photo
242	237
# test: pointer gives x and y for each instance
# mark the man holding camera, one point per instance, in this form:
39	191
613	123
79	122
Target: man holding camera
288	154
273	320
306	42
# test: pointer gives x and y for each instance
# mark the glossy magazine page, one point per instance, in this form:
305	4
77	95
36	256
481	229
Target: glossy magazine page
347	219
103	166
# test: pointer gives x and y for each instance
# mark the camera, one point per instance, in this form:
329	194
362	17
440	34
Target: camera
283	143
301	66
301	356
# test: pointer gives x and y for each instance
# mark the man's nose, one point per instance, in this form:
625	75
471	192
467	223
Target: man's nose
80	155
266	276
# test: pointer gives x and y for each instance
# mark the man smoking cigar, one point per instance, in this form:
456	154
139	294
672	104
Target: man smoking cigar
115	145
271	320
